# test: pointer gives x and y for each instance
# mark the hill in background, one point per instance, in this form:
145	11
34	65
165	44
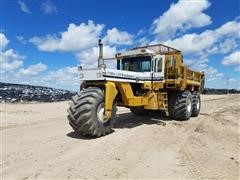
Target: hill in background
22	93
220	91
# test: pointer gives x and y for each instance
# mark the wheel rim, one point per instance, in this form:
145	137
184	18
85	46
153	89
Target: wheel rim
189	105
100	112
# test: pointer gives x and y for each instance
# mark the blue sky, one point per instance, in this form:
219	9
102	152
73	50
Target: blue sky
43	41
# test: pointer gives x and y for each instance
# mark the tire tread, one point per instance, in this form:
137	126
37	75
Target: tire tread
82	110
177	105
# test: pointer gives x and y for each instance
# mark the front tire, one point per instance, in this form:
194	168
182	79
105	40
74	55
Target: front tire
180	105
85	113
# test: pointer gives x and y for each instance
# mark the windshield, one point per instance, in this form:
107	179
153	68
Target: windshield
137	64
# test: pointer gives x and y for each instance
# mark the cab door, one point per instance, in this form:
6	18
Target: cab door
158	67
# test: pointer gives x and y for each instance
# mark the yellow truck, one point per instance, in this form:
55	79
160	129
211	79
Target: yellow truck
147	79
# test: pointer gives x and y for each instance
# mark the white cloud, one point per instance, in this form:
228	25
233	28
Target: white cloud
197	64
24	7
143	41
212	74
232	59
32	70
21	39
3	41
82	40
11	71
221	40
10	60
63	77
82	37
76	38
89	57
180	17
48	7
114	36
12	68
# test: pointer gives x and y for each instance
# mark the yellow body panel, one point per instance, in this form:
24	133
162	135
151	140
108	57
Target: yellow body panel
153	85
110	94
155	101
129	99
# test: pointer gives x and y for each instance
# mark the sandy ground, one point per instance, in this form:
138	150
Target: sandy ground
37	142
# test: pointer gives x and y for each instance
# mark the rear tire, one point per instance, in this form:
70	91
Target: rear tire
196	105
85	113
180	105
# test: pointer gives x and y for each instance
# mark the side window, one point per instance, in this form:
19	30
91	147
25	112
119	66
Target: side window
159	65
172	61
118	64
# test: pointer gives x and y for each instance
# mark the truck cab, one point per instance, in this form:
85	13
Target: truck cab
142	61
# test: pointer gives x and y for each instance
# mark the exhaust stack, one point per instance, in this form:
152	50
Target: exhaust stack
100	57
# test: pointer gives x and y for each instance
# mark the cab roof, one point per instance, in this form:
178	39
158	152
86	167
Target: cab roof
148	50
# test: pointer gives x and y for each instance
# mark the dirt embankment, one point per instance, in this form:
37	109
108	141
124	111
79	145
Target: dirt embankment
37	142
